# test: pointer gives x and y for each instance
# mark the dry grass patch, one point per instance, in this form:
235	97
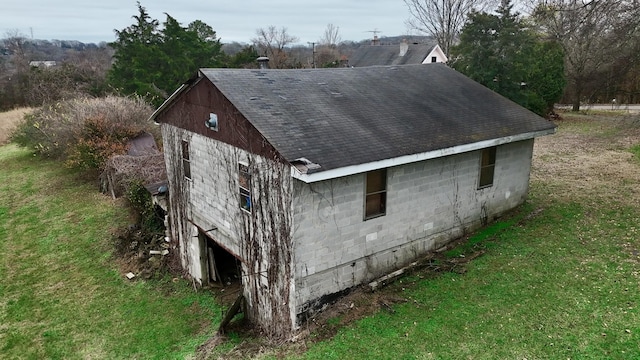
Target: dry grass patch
589	157
9	120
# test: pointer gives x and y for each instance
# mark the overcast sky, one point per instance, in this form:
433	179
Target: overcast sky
233	20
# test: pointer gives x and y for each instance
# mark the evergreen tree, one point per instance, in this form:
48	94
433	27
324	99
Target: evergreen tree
137	58
502	53
153	62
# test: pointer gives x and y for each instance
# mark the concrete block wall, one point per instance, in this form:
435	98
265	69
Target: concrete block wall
428	204
212	204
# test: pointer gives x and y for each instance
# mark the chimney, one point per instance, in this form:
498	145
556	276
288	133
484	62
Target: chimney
263	62
404	46
375	40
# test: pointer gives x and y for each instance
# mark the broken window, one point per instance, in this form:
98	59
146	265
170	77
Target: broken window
487	167
375	193
244	180
186	162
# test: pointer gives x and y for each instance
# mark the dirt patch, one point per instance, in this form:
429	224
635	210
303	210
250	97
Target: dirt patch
589	156
9	120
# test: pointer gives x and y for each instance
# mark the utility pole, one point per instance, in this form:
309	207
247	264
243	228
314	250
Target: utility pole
313	54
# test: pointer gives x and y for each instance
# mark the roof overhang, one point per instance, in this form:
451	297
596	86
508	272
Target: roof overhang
408	159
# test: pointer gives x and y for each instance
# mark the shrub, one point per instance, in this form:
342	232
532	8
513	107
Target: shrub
86	131
151	222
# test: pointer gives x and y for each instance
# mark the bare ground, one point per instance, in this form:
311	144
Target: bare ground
588	158
8	122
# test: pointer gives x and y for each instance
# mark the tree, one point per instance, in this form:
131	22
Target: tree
502	53
185	50
273	43
245	58
594	36
137	58
442	19
326	53
153	62
331	37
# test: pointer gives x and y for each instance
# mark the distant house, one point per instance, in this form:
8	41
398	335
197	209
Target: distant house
305	183
403	54
42	64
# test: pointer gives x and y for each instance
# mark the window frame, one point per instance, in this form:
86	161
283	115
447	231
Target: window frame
371	193
486	173
244	188
186	159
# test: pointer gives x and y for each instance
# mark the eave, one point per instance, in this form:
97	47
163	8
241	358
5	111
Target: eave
408	159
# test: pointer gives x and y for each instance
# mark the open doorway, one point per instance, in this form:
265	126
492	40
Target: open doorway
219	267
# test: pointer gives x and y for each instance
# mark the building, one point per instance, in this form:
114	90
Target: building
306	183
403	54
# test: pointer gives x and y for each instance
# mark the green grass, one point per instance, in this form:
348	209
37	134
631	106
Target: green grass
61	296
635	150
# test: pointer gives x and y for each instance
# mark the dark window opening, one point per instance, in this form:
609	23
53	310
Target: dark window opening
487	167
434	59
244	181
186	161
375	194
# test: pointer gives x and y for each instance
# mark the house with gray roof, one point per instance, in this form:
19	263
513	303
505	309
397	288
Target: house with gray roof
303	184
404	54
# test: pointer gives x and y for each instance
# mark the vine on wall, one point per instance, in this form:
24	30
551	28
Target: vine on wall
265	238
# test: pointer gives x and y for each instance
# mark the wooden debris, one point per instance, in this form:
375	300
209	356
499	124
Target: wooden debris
233	310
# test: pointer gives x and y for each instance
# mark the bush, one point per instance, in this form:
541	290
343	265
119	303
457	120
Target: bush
85	132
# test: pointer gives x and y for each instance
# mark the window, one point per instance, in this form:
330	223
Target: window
244	180
487	167
186	162
434	59
375	193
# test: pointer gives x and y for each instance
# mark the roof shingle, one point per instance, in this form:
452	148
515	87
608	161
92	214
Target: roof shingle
349	116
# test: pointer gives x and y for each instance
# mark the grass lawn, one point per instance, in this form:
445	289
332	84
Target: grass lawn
61	295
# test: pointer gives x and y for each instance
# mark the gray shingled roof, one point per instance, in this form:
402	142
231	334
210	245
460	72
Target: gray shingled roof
372	55
349	116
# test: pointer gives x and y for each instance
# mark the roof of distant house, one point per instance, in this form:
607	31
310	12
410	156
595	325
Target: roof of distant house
371	55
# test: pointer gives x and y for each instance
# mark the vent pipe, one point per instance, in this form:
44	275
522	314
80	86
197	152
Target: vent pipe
263	62
404	47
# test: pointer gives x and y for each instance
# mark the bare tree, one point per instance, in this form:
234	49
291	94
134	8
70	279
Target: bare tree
443	19
594	36
273	43
331	36
15	42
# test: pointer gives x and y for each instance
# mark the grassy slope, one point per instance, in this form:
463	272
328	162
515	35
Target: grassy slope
8	122
60	294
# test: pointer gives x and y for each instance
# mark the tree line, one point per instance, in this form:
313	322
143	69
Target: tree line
561	50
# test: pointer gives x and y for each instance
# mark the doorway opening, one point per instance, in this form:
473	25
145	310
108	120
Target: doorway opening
220	267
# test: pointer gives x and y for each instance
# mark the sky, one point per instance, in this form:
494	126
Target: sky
233	20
